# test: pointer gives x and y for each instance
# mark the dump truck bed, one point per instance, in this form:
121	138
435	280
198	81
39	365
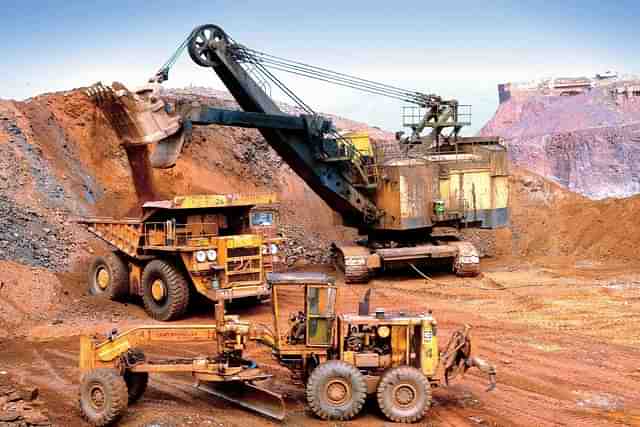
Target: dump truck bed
125	234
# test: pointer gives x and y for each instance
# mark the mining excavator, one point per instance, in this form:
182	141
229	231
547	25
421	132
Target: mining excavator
340	358
408	198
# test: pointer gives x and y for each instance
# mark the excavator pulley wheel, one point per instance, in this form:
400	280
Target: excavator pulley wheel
200	46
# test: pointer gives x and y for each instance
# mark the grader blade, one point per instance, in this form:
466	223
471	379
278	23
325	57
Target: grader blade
249	396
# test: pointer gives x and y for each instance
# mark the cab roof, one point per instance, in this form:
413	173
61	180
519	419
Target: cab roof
203	201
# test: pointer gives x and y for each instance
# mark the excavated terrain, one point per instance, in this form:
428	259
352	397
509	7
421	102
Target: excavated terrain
587	143
556	308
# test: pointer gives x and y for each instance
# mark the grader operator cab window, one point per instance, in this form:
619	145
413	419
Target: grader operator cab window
320	314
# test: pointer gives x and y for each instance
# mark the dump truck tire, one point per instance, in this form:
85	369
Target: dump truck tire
165	291
103	397
136	384
109	277
404	394
336	391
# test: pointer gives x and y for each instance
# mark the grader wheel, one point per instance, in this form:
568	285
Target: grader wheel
404	394
103	397
109	277
336	391
166	292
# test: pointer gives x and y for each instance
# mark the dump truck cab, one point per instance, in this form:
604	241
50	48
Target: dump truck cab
201	243
265	221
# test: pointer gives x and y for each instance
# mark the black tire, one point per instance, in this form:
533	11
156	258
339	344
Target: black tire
404	394
350	391
136	384
114	267
103	397
175	299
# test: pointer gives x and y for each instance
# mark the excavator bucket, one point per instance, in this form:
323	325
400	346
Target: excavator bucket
141	118
249	396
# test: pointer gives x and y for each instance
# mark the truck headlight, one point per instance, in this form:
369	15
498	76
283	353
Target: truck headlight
212	255
201	256
265	250
274	249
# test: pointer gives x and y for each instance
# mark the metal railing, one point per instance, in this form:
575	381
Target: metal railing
413	115
169	233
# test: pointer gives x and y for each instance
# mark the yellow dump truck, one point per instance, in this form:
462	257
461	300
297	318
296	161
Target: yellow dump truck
198	243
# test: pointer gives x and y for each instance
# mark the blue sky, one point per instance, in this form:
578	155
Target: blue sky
461	49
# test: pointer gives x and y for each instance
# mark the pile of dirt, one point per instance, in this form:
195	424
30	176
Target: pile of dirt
27	295
549	221
33	239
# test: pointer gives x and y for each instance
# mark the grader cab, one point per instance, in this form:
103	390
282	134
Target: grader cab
341	358
204	244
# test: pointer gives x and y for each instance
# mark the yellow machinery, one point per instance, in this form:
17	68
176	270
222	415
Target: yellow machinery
340	358
407	199
204	244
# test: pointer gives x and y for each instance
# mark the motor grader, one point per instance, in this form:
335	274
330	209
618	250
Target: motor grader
341	359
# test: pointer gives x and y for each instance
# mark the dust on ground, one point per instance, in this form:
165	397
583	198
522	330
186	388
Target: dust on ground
564	340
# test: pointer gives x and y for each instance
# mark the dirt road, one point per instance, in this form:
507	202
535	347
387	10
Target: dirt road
566	343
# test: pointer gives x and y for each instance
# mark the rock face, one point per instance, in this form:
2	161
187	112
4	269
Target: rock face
589	143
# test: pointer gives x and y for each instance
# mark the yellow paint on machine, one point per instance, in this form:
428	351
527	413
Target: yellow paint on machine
219	200
244	240
477	188
361	141
429	353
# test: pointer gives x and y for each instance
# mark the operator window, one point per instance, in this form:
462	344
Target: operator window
320	310
262	218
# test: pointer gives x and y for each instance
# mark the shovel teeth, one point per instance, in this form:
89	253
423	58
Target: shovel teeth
99	93
141	118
